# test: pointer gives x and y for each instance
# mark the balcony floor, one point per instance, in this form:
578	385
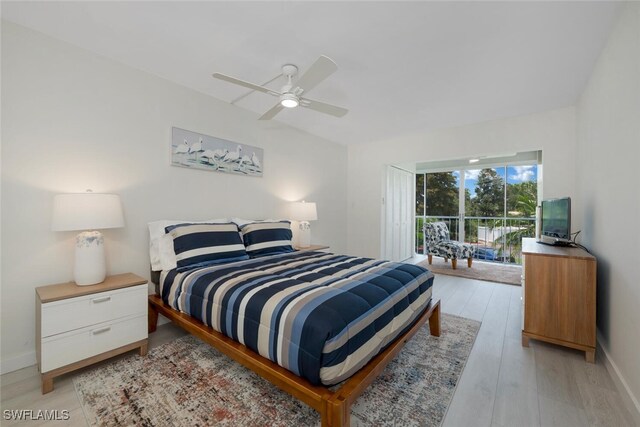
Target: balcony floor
480	270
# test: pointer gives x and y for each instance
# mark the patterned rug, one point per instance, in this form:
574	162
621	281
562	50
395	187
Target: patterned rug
188	383
487	271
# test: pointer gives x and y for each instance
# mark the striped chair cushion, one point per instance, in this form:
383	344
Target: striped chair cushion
267	238
201	244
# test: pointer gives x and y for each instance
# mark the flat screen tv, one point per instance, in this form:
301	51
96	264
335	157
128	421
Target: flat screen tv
556	221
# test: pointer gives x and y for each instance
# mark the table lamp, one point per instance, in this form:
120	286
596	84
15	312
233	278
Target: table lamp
304	212
89	212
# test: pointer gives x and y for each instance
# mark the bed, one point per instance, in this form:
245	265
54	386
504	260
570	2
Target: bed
303	320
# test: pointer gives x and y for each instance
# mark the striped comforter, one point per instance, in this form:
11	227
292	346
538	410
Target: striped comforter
321	316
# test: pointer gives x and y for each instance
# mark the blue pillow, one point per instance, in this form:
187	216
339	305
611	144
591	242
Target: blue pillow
267	238
201	244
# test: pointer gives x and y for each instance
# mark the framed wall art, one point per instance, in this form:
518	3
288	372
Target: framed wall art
199	151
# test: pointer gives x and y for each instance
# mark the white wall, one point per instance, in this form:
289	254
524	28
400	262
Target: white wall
74	120
552	132
609	193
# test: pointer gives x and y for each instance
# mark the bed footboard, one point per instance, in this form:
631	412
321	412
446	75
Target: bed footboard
334	406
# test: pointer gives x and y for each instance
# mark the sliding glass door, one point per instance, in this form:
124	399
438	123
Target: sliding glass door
491	208
437	198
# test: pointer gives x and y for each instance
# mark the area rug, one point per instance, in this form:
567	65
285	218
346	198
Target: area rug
188	383
487	271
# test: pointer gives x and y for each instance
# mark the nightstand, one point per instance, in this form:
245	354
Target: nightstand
311	248
77	326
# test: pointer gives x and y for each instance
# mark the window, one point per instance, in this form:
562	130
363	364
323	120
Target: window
492	207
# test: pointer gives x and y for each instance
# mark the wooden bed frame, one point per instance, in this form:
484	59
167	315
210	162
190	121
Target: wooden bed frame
334	406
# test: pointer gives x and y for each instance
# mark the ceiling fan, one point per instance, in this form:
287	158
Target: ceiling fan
290	96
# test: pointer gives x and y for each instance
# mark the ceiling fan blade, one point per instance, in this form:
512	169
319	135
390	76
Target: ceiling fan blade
245	84
272	112
320	70
323	107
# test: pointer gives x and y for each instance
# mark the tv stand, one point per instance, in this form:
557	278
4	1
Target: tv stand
559	296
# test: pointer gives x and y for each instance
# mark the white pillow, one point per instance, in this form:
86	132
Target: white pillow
168	259
156	231
240	222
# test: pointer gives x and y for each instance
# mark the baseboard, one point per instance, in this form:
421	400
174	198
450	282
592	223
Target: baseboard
631	400
17	362
29	359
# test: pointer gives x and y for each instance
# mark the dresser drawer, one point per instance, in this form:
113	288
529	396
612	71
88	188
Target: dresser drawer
75	313
64	349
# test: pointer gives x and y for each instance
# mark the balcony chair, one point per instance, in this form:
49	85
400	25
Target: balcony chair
438	243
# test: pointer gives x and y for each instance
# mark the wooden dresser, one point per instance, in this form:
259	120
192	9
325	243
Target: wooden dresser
559	296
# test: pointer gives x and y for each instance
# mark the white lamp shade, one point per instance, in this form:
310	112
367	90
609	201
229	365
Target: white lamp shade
304	211
86	211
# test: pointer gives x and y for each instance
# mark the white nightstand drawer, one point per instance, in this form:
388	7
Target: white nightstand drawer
64	349
75	313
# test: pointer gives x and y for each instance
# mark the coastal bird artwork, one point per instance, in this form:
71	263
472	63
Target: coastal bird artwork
208	155
220	153
233	156
245	160
182	148
198	151
196	148
255	160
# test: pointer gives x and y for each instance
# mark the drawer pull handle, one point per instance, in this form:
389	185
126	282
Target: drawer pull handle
99	300
100	331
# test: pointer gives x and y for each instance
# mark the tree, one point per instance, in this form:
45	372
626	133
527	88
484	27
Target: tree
489	200
419	194
522	199
470	226
442	194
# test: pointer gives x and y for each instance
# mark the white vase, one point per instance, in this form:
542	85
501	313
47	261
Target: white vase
304	238
90	267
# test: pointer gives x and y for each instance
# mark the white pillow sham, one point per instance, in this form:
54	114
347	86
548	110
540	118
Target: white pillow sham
156	231
168	259
240	222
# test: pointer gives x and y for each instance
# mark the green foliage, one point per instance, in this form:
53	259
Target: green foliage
522	199
442	201
420	195
514	238
419	235
442	194
471	231
489	200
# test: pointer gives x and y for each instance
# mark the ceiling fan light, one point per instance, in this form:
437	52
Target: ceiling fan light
289	103
289	100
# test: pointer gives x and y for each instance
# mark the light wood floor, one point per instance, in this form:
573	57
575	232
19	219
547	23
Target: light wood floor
503	384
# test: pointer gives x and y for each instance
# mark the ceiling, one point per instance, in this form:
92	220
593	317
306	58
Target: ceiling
404	67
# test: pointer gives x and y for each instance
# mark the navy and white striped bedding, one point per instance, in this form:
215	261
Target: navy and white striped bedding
200	244
321	316
267	238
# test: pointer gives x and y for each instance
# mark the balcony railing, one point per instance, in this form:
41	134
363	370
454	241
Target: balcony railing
495	239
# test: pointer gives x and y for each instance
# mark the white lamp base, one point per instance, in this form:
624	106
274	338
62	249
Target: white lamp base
304	238
90	267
